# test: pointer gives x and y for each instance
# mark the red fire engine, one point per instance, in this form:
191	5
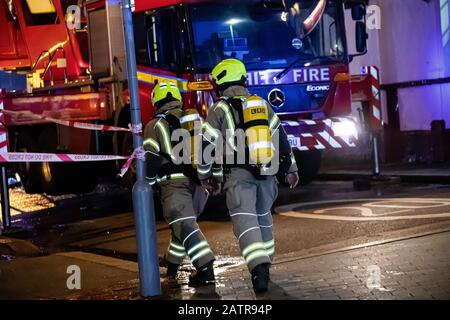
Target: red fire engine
73	54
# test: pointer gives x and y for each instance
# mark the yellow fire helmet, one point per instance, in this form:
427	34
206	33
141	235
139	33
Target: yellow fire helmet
229	71
164	90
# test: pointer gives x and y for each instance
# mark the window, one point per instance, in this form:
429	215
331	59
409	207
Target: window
445	28
262	37
41	6
163	39
141	38
39	12
445	22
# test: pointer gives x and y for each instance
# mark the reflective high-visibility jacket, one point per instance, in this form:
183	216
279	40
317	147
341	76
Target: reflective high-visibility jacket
157	140
181	198
223	119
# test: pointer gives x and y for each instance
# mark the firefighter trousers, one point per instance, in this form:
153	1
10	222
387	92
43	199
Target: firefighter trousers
249	202
182	202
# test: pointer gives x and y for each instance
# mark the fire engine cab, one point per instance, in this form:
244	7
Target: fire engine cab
73	54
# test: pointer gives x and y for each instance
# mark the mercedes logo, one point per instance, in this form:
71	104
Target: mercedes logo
276	98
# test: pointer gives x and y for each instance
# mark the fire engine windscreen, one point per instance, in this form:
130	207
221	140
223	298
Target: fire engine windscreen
264	37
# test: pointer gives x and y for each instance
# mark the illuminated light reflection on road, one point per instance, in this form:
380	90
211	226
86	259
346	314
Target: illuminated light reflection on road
223	264
22	202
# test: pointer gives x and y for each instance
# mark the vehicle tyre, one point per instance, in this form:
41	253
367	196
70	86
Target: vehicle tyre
84	177
29	172
123	121
63	178
308	163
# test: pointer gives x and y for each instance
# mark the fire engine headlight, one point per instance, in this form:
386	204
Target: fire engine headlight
345	129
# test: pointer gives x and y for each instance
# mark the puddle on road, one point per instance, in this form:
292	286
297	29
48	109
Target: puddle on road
381	289
22	202
395	273
224	263
221	265
180	289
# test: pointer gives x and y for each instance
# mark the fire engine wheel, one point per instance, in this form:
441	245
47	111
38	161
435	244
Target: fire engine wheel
308	163
28	172
62	178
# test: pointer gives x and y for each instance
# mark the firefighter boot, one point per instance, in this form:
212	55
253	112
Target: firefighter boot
172	270
204	276
260	278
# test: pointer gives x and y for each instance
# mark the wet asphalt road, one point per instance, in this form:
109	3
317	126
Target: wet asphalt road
319	217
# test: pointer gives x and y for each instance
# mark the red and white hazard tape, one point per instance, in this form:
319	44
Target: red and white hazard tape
54	157
370	88
3	131
17	157
376	93
138	154
6	157
324	139
73	124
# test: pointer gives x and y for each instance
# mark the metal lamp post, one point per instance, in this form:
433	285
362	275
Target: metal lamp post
150	283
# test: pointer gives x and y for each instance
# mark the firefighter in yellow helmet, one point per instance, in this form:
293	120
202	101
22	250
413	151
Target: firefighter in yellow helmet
250	189
182	197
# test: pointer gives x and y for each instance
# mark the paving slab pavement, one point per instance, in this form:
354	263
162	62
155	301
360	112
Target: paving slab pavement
46	277
415	268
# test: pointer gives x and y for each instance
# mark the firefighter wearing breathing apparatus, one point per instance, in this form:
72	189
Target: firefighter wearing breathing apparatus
250	189
182	197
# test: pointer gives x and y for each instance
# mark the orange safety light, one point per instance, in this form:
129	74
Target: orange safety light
200	86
